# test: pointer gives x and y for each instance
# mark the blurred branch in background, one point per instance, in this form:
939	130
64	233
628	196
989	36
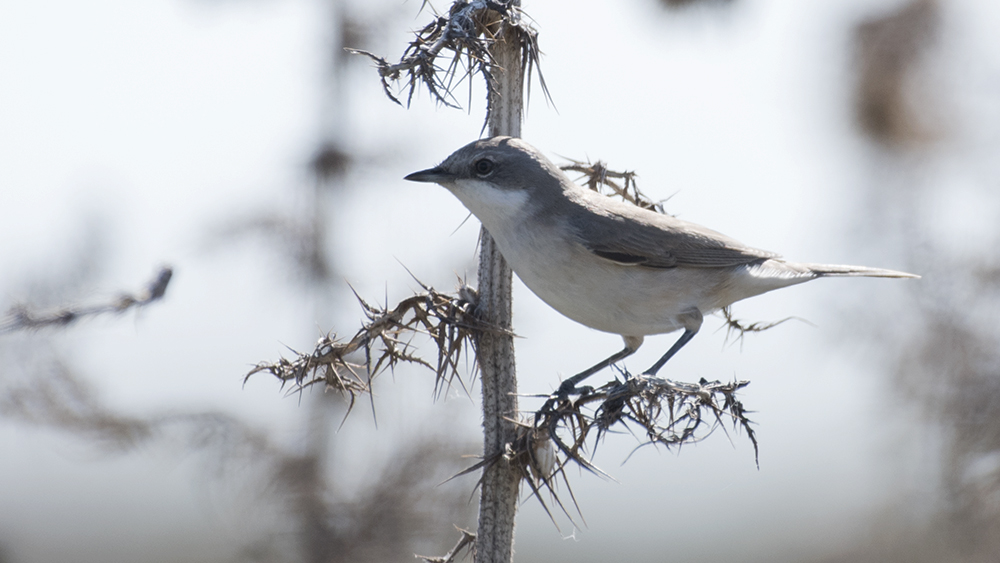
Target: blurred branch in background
402	511
298	228
22	317
948	355
889	53
389	517
382	523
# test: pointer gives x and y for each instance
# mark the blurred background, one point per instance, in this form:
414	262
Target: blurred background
235	141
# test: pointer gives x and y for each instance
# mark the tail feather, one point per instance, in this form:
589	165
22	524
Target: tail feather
860	271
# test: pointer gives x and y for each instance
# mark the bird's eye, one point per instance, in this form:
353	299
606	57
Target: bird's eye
483	167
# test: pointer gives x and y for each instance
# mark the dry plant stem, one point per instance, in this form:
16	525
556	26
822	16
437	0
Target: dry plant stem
498	500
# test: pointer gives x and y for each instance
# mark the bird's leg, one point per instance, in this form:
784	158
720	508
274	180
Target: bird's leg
568	385
632	344
692	323
684	339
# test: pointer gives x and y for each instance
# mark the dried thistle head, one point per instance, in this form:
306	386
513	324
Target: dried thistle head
602	180
462	39
386	340
568	427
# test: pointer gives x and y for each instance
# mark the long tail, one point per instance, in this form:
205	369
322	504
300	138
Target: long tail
862	271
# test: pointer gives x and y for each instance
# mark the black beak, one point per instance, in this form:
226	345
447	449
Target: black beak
435	175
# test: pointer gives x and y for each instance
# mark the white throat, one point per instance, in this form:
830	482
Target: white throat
499	210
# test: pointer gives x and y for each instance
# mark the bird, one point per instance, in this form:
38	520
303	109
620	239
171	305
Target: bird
608	264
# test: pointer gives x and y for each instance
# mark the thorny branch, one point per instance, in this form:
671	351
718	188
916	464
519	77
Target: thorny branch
734	325
20	317
386	340
568	427
598	175
466	33
467	541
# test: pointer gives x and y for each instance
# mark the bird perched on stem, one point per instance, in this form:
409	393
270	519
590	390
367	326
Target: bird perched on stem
608	264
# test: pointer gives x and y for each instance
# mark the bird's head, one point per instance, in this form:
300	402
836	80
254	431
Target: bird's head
497	175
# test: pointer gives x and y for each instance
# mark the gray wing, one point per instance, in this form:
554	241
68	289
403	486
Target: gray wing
630	235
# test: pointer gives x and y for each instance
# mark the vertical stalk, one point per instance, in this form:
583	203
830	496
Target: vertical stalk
498	501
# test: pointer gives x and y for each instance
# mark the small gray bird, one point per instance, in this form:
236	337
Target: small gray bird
608	264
